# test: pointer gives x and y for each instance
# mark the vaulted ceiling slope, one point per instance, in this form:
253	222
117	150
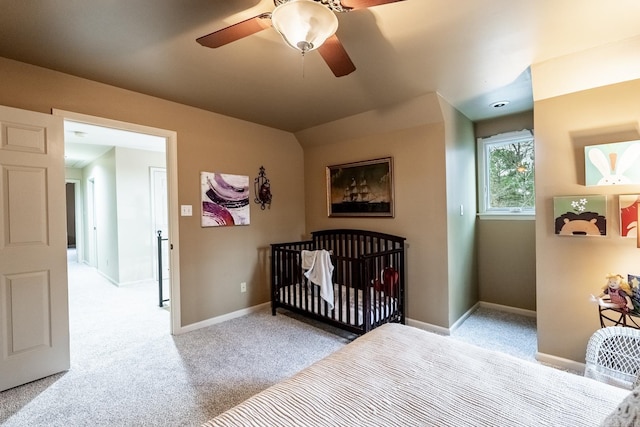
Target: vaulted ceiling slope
472	52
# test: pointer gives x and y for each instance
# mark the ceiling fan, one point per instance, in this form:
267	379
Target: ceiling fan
305	25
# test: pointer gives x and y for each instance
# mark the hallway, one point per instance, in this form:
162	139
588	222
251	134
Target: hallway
99	312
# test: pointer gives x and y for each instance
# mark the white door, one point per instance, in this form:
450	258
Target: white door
34	308
160	222
160	219
93	228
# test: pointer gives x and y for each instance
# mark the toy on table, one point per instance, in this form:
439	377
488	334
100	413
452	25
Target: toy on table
619	293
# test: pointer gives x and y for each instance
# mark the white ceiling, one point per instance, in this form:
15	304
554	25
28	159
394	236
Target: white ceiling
472	52
84	143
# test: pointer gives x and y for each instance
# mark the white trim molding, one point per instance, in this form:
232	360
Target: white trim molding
561	363
464	317
171	152
484	147
448	331
428	327
219	319
507	309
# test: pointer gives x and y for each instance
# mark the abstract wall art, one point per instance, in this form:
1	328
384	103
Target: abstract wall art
225	199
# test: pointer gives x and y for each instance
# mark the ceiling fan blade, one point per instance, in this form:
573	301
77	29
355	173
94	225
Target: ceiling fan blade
336	57
363	4
236	31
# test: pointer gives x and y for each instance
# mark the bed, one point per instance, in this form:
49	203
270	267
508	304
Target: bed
367	279
397	375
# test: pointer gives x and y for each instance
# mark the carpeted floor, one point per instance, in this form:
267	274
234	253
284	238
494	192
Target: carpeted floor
505	332
126	370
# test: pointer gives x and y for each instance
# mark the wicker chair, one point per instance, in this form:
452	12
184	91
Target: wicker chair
613	356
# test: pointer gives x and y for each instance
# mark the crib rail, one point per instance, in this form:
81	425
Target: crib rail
368	279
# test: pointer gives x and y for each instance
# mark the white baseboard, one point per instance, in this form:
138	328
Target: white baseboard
136	282
411	322
547	359
220	319
448	331
464	317
113	282
507	309
427	327
560	363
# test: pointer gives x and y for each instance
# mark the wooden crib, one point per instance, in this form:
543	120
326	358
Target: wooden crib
368	279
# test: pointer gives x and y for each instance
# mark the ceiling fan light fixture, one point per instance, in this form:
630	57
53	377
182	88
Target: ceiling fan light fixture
304	24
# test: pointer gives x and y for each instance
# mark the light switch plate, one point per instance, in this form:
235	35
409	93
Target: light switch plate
186	210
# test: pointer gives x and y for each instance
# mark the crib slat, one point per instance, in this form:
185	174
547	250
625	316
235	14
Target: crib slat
359	258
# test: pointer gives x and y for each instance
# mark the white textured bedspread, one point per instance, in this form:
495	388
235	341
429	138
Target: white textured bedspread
397	375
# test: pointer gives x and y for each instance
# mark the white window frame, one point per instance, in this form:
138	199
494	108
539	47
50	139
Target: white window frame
483	148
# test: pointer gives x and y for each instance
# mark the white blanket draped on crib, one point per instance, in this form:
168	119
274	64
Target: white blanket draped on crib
319	270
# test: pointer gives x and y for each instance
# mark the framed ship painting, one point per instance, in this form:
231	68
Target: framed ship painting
361	188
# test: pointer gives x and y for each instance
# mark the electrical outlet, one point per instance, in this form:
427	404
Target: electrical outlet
243	287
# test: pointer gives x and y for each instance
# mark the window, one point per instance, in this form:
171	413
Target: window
506	174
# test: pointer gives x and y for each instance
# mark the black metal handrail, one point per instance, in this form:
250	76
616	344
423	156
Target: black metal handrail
160	240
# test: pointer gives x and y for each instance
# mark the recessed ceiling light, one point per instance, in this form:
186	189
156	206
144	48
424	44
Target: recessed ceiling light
500	104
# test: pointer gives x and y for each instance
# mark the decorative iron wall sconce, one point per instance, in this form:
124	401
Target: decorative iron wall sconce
263	189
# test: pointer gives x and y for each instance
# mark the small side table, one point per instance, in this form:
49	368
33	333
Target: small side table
617	317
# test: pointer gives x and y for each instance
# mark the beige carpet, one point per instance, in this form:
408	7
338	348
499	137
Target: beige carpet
126	370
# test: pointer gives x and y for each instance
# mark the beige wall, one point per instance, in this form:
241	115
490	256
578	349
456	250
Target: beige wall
507	263
569	269
461	211
416	141
213	261
506	248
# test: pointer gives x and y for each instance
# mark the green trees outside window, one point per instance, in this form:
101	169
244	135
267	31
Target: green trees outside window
507	168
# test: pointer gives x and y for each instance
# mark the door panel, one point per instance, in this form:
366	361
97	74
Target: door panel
26	190
34	313
28	329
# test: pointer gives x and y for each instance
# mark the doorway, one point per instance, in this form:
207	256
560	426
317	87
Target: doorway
109	209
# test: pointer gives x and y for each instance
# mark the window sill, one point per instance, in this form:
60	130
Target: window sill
508	216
